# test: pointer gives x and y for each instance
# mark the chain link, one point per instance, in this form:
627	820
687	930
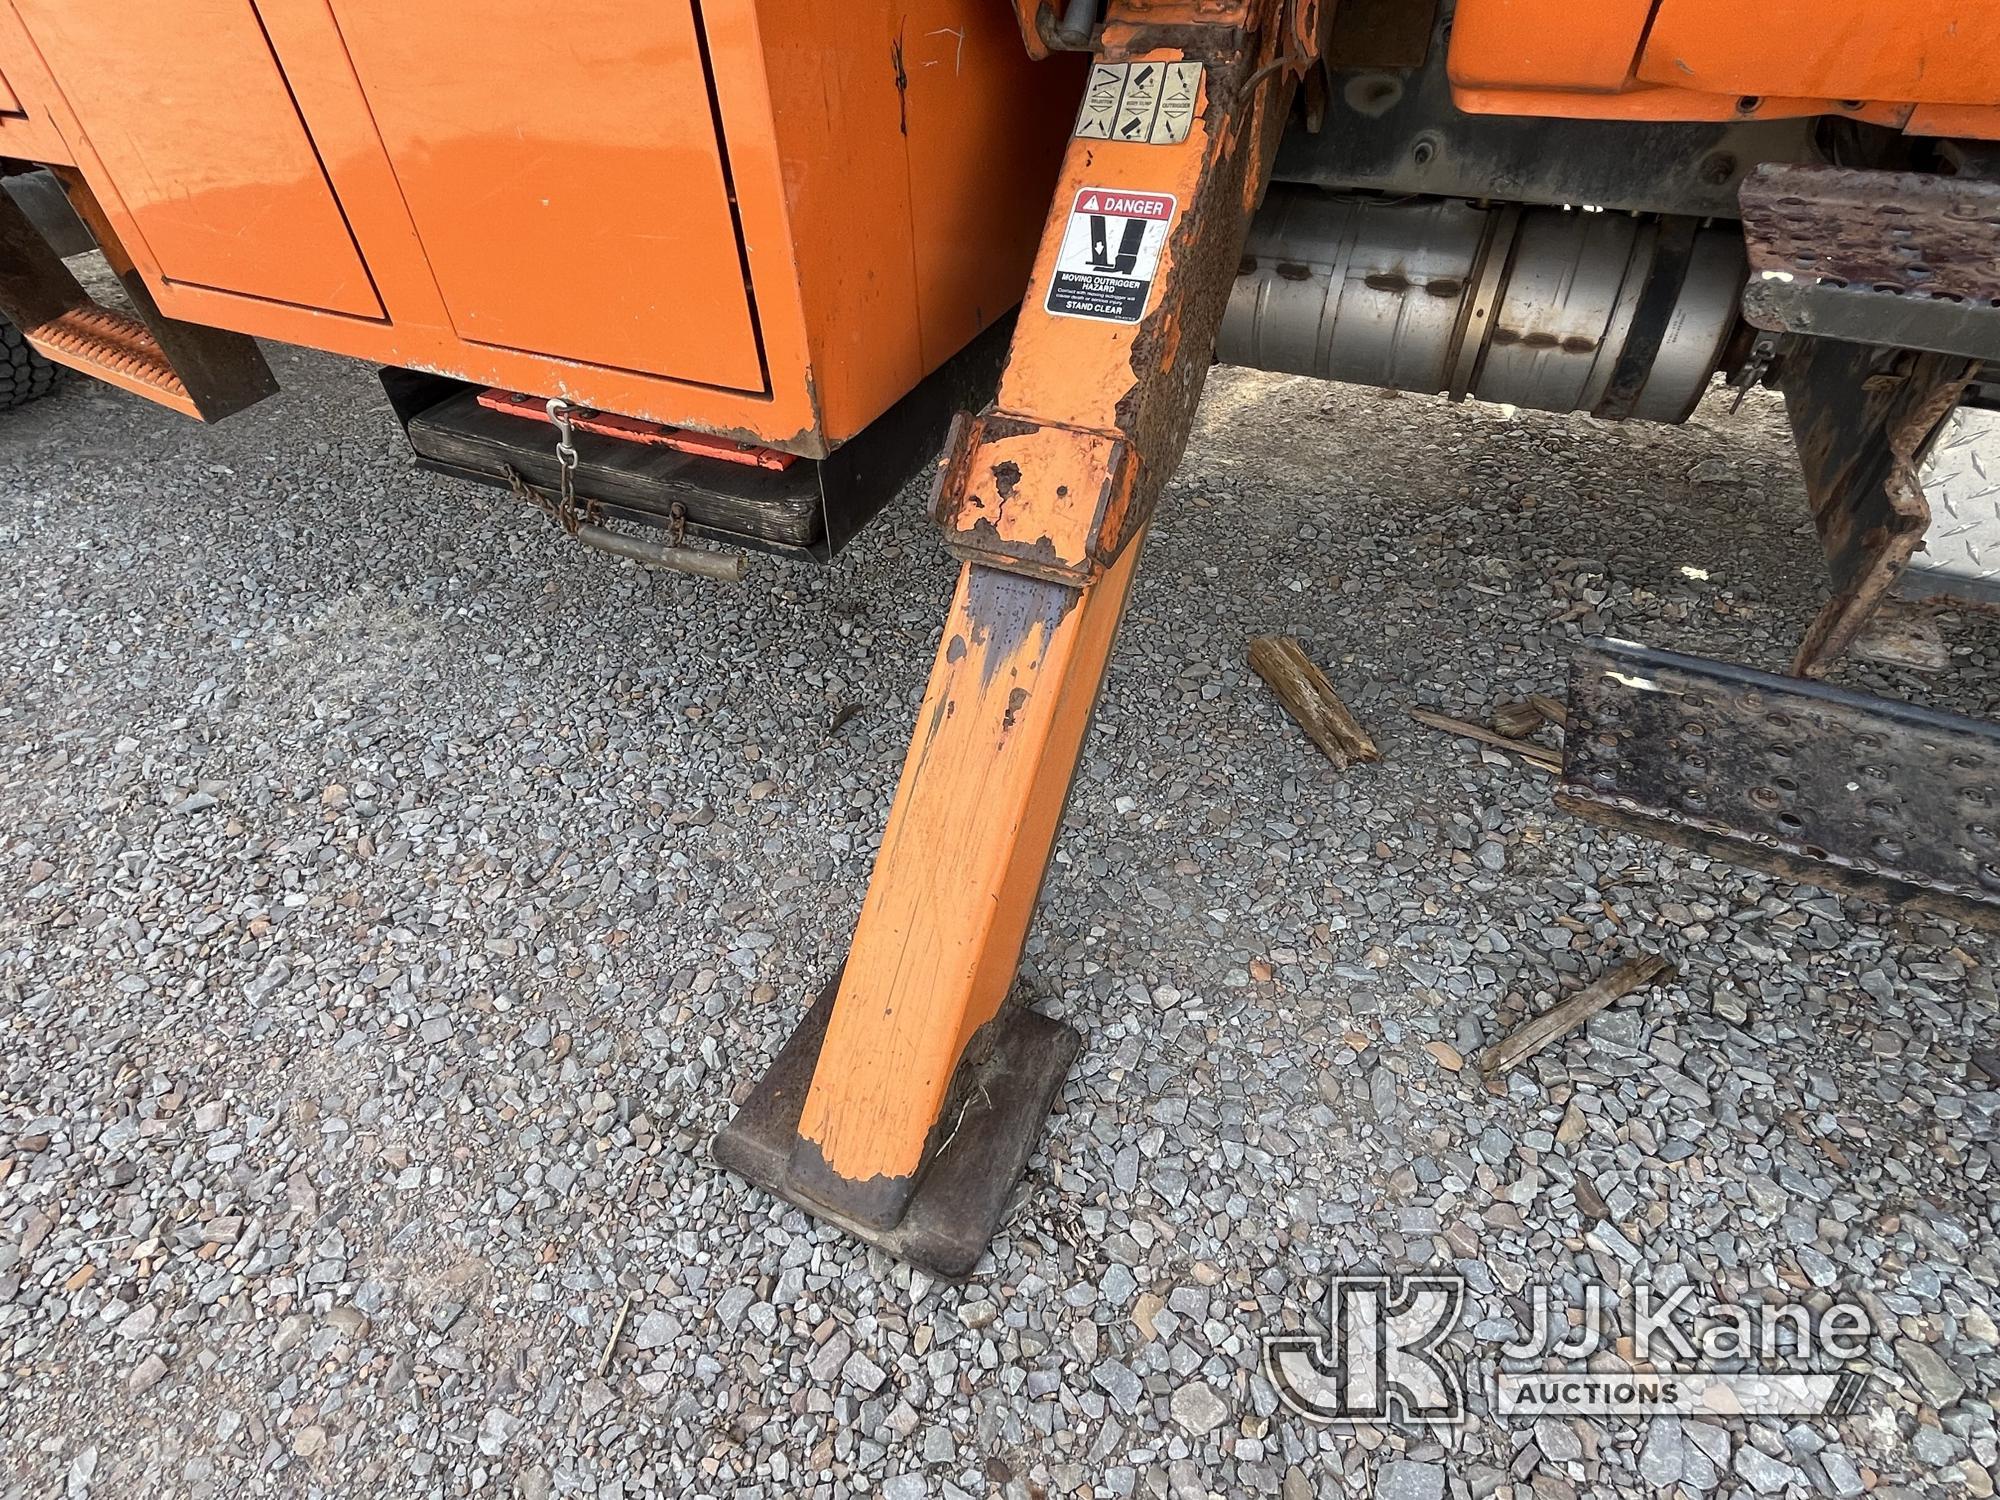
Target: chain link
563	507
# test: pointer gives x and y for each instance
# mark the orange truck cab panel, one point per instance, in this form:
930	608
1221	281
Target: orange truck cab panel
767	219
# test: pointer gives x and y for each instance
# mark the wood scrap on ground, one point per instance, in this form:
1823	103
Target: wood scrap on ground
617	1327
1565	1016
1310	699
1538	756
1517	720
1550	709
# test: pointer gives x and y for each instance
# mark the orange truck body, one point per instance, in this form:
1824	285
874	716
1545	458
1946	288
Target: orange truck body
1926	66
765	220
769	221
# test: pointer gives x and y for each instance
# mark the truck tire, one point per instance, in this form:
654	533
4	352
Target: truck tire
24	374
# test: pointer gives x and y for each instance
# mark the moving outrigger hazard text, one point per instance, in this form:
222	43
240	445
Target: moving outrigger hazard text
1110	254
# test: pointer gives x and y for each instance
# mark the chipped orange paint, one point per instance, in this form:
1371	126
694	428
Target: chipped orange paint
1039	498
1056	443
975	820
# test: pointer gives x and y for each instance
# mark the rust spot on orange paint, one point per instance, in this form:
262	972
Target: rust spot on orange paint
1016	700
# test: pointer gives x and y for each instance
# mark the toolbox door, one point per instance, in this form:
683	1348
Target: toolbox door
184	107
564	169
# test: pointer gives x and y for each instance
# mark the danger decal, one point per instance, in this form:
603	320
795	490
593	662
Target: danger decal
1110	254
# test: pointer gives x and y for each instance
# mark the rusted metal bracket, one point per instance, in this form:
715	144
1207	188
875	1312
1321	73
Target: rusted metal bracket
1045	498
1300	36
1882	799
1050	26
1861	417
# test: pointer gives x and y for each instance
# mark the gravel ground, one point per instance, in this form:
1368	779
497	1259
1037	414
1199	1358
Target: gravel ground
393	896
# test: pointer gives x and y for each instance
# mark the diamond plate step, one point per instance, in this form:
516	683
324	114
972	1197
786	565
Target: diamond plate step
1961	479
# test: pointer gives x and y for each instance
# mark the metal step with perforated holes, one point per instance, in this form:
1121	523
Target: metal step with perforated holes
1884	799
115	347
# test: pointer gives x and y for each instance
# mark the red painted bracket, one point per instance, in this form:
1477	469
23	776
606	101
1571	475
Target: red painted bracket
632	430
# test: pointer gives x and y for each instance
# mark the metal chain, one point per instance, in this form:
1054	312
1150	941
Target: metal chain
565	456
1762	354
563	508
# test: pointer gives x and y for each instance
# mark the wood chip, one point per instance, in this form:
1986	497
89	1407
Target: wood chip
1564	1017
617	1327
1517	720
1310	699
1538	756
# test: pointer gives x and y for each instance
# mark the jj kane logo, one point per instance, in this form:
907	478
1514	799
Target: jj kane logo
1387	1357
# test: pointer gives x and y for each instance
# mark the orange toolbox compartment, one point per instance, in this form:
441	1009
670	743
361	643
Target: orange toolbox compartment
764	219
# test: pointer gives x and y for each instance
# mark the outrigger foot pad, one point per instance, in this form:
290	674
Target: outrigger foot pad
1003	1091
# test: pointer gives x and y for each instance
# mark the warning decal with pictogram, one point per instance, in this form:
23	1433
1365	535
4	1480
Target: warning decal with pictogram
1146	104
1110	254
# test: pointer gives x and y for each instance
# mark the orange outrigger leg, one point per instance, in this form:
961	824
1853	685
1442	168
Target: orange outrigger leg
907	1103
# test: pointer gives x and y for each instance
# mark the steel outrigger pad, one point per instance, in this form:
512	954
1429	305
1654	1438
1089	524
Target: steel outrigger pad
1002	1092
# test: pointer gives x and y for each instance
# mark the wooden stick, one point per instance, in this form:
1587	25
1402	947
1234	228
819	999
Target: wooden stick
1534	755
1310	699
1550	709
1565	1016
617	1327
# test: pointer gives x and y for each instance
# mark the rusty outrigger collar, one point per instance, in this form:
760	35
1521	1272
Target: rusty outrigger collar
1045	500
